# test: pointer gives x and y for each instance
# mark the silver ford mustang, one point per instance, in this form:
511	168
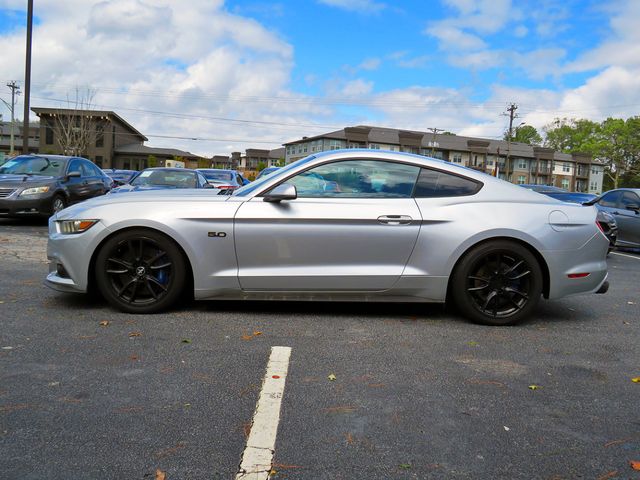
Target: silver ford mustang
344	225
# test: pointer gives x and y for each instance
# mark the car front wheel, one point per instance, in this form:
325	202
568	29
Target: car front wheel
140	271
497	283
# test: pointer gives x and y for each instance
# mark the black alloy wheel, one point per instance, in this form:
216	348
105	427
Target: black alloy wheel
140	271
497	283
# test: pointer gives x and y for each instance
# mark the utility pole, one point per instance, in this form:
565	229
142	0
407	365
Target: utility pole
434	131
27	80
15	89
512	115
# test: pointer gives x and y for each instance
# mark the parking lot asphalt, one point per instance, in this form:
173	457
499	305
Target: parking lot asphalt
87	392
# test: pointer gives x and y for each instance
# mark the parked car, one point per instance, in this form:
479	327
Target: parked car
120	177
624	205
224	179
607	222
399	228
163	178
266	171
40	185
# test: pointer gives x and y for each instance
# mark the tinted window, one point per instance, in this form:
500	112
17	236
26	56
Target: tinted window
630	198
357	179
90	169
433	183
610	199
75	165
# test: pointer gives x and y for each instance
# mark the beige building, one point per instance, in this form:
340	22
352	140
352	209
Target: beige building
527	164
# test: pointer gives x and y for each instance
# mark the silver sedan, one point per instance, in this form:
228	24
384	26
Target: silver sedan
346	225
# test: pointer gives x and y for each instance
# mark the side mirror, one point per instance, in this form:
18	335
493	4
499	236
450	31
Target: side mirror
74	174
284	191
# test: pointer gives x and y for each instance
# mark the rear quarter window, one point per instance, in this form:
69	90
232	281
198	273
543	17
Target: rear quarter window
433	183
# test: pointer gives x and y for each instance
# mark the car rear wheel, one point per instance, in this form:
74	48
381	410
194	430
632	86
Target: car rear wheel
497	283
140	271
58	203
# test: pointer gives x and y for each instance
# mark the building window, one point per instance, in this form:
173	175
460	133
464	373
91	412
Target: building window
48	133
99	135
566	167
594	171
565	183
374	146
99	160
490	162
457	158
522	164
521	179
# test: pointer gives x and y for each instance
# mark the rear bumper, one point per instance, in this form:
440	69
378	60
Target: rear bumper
591	259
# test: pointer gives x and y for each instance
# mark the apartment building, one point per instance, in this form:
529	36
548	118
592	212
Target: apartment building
527	163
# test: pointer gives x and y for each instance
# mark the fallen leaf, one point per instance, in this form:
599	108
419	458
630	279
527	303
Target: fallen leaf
273	472
616	442
104	323
608	475
533	387
472	344
256	333
186	340
635	379
331	377
282	466
405	466
160	475
345	409
506	428
135	334
247	337
635	464
349	438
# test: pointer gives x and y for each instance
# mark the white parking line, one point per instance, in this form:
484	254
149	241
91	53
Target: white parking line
625	255
258	454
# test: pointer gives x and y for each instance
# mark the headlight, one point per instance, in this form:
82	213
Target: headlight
75	226
34	190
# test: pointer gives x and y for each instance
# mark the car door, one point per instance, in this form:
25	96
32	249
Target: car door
93	176
628	219
77	187
352	227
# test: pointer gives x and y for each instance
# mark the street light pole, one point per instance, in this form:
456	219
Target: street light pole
14	90
27	80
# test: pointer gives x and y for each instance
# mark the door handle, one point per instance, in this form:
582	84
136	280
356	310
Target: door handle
395	219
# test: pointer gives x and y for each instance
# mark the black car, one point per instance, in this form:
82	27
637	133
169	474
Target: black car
40	185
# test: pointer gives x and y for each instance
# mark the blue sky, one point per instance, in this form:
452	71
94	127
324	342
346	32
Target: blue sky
242	73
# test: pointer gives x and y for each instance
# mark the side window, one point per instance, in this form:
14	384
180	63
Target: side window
433	183
202	182
610	200
90	170
630	198
75	166
357	179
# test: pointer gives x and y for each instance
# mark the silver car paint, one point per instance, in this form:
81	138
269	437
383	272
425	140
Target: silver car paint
335	248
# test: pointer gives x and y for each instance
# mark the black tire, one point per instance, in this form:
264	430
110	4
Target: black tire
59	202
140	271
497	283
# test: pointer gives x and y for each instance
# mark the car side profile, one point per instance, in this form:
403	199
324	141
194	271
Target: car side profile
624	205
40	185
363	225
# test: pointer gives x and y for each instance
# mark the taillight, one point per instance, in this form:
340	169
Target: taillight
600	226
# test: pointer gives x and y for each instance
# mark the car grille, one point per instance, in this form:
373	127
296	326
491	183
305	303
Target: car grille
5	192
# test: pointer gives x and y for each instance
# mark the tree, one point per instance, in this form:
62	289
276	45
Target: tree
76	127
261	166
571	135
525	134
204	163
152	161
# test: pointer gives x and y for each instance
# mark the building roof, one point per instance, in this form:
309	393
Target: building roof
139	149
424	140
94	113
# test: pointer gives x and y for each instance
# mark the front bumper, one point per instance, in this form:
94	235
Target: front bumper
31	205
70	256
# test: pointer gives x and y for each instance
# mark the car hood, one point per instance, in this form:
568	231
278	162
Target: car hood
143	188
175	195
15	181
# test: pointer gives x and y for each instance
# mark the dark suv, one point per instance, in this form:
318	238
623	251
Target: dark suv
40	185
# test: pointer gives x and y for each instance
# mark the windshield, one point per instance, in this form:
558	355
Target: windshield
222	176
33	166
166	178
121	176
281	172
